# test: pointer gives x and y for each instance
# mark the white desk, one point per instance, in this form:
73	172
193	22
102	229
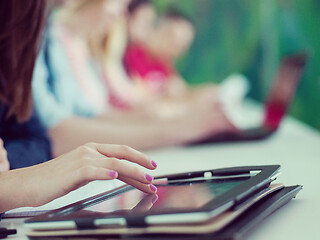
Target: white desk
295	147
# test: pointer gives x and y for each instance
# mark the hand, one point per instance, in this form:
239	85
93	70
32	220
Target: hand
166	107
205	94
202	121
37	185
4	163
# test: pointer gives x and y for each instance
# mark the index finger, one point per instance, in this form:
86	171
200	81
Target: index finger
126	153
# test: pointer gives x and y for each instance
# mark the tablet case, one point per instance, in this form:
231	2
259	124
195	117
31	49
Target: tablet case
235	230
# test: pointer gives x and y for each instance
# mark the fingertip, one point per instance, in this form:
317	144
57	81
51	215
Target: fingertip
153	188
113	174
154	164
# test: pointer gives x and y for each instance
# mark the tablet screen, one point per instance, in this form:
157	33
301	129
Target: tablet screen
177	196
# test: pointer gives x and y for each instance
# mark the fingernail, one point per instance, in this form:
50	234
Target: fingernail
154	199
154	164
113	174
153	188
149	178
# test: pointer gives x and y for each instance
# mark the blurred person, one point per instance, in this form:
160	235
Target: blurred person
66	77
109	54
20	34
138	28
142	21
152	60
73	120
152	52
148	68
132	30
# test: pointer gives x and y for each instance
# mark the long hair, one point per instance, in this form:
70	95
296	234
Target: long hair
21	22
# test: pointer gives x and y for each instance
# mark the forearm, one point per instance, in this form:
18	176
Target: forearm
12	193
137	134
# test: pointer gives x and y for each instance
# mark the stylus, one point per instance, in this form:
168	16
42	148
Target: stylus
207	174
6	232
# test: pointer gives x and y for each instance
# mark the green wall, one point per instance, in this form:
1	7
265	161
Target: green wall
251	36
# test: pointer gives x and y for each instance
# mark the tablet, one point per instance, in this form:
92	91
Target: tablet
213	226
185	198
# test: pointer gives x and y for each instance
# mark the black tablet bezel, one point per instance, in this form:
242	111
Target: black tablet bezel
229	199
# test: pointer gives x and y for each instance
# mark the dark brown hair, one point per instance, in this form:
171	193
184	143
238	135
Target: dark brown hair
136	4
176	14
21	22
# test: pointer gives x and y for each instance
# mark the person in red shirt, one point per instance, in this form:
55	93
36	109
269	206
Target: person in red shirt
154	47
153	50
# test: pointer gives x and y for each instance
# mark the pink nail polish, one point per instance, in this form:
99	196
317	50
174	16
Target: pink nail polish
149	178
154	164
113	174
153	188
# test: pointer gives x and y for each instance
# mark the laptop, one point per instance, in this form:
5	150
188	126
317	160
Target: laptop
276	105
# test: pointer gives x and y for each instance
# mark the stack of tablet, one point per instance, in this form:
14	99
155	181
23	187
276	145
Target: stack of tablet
215	204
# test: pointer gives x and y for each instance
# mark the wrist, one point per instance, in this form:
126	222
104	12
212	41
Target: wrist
13	193
7	199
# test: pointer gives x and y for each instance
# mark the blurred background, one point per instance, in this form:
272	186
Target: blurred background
169	64
250	37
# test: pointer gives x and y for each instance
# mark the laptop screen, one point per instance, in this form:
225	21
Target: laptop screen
283	90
